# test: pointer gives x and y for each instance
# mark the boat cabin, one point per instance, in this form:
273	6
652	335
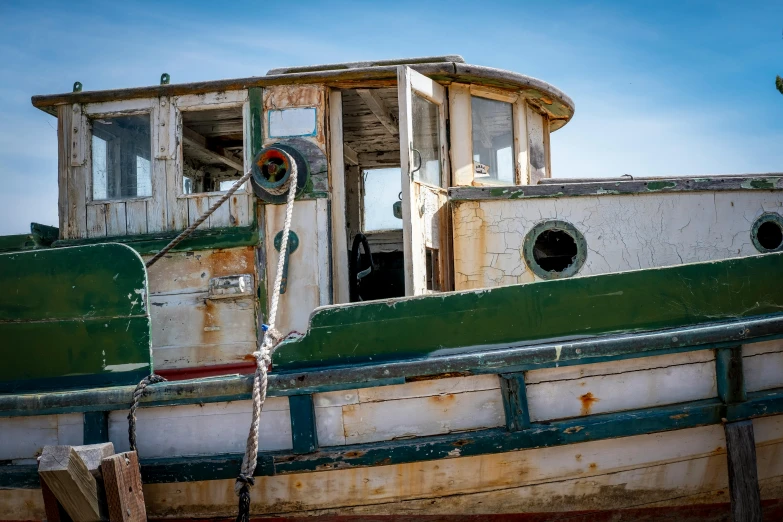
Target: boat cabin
415	176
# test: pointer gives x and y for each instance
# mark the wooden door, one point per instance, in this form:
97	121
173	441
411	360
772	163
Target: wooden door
425	178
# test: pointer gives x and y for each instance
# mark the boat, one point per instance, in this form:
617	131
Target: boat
451	332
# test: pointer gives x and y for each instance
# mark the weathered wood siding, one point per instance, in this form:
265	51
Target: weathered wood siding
762	365
188	328
623	232
22	438
167	209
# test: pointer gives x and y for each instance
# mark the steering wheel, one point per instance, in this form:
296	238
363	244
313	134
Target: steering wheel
354	274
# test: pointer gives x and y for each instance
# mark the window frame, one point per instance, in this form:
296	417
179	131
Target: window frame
206	102
115	109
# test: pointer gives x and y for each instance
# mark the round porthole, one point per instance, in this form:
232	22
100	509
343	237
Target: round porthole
767	233
555	249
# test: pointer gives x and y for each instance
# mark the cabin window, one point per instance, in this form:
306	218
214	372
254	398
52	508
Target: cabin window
121	160
767	233
426	141
493	140
288	123
381	193
212	149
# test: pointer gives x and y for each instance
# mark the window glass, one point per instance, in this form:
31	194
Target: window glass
212	149
121	158
381	192
284	123
493	140
426	141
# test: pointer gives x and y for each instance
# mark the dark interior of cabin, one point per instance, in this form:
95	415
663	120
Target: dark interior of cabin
212	149
372	172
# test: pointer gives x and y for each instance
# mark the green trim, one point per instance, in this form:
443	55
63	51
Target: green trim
303	430
767	217
146	244
528	249
256	102
484	360
17	242
539	312
514	392
729	373
96	427
473	443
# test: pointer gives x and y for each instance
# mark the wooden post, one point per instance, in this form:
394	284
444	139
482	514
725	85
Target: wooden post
122	481
743	476
67	476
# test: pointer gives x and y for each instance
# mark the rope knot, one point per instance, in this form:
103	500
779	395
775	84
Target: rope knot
244	479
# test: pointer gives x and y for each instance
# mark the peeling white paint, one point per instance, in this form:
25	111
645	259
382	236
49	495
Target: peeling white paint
125	367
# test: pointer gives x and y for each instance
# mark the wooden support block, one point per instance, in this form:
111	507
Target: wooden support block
53	509
68	478
122	481
743	476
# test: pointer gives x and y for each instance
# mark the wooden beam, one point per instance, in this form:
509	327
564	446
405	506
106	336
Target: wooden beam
124	495
388	118
743	475
67	476
197	141
350	155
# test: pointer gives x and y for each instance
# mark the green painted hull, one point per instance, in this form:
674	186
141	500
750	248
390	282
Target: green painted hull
546	311
73	317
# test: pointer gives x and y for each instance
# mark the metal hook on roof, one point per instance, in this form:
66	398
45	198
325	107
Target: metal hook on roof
77	86
165	79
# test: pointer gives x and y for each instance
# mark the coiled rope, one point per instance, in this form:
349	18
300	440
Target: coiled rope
264	358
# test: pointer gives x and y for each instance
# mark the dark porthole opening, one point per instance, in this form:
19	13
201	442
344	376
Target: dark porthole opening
767	233
770	235
554	250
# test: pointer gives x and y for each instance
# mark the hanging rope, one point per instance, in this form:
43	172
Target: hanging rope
263	359
138	393
185	233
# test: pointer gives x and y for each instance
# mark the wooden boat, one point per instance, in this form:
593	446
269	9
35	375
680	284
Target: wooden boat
469	336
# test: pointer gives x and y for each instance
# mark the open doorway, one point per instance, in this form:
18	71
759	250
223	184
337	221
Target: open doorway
373	193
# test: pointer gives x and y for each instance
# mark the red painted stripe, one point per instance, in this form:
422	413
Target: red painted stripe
181	374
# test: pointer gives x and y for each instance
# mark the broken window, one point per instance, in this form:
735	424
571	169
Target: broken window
493	140
381	193
426	141
212	149
121	161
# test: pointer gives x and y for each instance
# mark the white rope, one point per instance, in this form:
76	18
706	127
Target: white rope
270	340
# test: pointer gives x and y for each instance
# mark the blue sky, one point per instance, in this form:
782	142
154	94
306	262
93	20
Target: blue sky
660	87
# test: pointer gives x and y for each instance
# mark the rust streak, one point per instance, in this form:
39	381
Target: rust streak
587	402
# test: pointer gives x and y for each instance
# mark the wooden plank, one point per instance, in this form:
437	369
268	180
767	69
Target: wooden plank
743	475
521	165
124	495
303	426
621	302
239	206
536	146
337	188
188	272
378	107
618	392
79	136
197	205
136	217
221	217
25	437
762	365
116	223
193	139
512	387
96	220
120	105
424	388
324	252
78	311
422	416
203	429
461	134
73	485
54	510
64	122
349	154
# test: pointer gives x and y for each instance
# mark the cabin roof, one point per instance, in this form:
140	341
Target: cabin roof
383	73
